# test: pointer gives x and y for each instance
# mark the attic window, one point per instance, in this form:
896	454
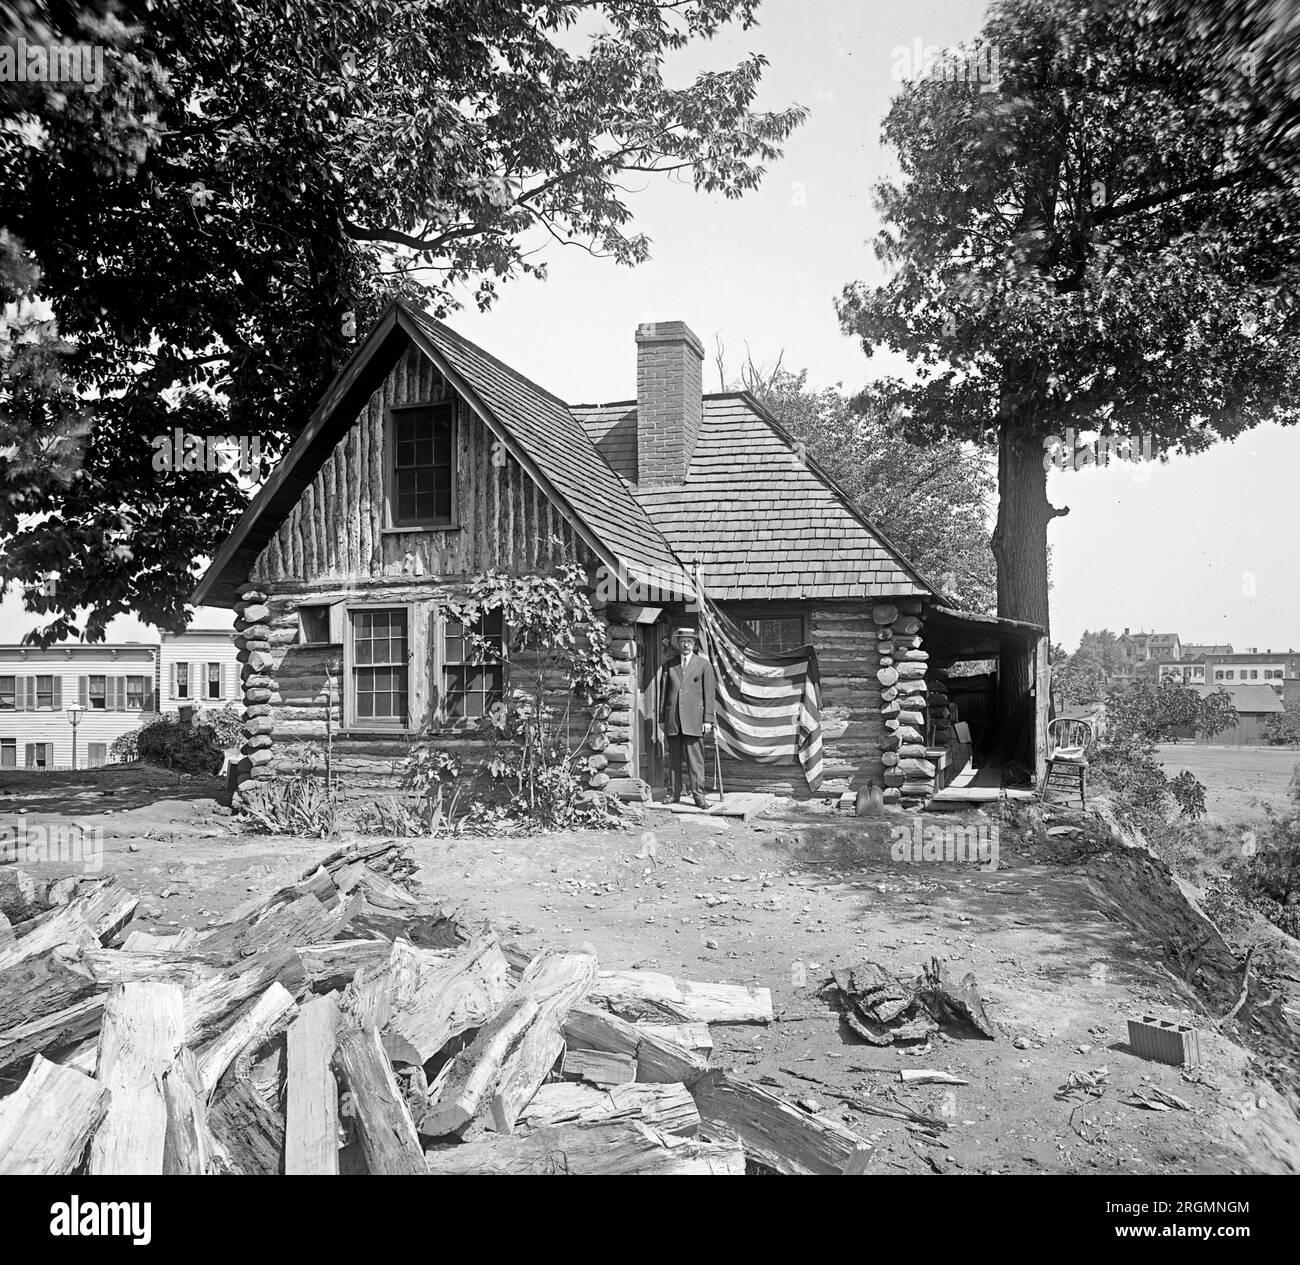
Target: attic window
420	445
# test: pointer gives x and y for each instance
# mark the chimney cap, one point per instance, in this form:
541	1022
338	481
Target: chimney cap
670	332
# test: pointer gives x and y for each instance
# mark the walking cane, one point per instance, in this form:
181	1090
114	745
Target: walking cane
717	766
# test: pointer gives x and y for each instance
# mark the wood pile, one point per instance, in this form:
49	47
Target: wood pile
344	1025
883	1008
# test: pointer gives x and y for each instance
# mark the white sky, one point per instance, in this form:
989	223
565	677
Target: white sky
1205	546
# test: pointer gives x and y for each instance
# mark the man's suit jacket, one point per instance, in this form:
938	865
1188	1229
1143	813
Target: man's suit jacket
686	699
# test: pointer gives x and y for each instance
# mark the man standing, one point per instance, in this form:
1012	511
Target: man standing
686	712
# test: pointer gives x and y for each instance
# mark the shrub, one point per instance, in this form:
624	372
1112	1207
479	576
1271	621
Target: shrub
299	803
1283	728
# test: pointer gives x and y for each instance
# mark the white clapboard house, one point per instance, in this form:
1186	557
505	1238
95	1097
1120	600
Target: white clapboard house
115	687
197	668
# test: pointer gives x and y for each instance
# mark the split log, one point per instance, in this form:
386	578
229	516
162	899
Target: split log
159	966
668	1108
142	1033
579	1150
47	1122
385	1129
65	926
631	790
311	1125
189	1148
599	1067
145	941
476	1071
658	1059
107	908
650	995
690	1036
334	965
380	891
56	1031
775	1133
18	895
209	1002
252	1028
41	986
556	982
6	931
458	990
249	1132
303	920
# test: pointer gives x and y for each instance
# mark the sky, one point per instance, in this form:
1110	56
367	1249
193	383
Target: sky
1204	546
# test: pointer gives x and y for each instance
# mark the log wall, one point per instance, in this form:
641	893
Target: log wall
338	530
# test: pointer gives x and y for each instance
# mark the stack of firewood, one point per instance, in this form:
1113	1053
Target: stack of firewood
345	1025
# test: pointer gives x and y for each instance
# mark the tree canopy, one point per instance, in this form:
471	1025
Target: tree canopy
1101	243
248	188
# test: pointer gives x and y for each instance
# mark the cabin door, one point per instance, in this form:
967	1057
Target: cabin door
649	758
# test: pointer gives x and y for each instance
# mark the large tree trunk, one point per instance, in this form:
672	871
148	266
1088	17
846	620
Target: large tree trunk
1020	547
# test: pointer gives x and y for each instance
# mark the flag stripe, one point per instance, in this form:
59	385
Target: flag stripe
767	704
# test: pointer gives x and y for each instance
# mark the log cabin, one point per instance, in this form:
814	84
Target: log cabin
429	461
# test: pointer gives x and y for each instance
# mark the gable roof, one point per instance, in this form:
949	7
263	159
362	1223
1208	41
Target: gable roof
762	521
1247	698
536	427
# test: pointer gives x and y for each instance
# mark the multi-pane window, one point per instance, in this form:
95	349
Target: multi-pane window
379	667
44	692
776	636
8	753
8	693
182	678
136	689
214	681
421	465
97	693
472	677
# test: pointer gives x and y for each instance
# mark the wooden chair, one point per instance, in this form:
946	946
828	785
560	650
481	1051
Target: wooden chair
1068	741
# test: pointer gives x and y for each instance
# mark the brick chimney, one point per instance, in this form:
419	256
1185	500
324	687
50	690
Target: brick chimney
669	384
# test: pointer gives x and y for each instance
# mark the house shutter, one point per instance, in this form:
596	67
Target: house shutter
150	697
175	685
83	691
26	693
31	755
196	682
115	689
56	686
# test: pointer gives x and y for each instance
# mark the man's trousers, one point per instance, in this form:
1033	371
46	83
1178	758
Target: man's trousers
691	748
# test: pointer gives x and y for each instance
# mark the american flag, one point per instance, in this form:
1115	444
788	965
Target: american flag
768	707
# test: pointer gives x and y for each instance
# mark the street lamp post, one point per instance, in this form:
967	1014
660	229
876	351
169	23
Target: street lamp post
74	711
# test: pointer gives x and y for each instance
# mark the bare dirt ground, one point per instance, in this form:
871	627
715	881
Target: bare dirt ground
1238	781
1065	948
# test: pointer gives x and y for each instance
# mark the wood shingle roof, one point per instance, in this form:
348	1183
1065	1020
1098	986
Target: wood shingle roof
762	521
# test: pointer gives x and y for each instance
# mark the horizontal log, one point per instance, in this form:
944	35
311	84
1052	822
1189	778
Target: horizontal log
578	1150
669	1108
651	995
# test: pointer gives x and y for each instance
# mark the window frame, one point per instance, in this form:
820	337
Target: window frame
10	744
352	721
208	695
91	678
740	613
90	756
37	705
444	719
392	520
179	690
126	692
11	693
318	610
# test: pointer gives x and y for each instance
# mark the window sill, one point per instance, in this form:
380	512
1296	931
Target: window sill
406	531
